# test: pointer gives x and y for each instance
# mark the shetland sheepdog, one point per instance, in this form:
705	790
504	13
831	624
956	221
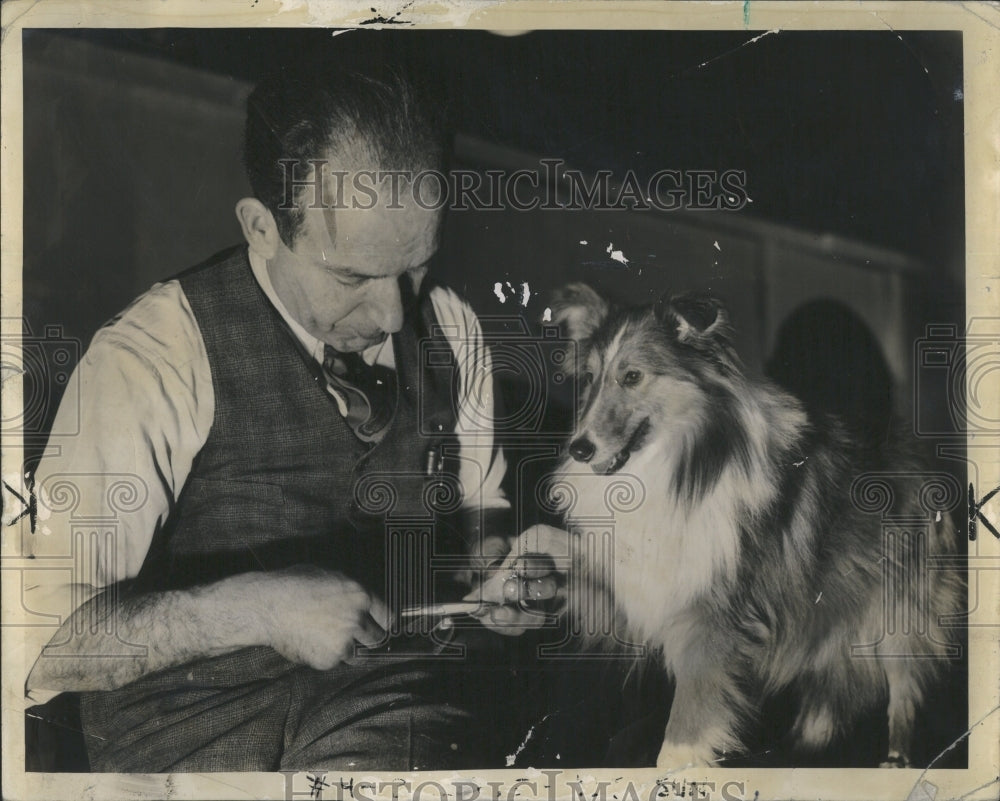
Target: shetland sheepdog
745	552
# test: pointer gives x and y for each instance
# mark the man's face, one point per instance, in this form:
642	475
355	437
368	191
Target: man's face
340	277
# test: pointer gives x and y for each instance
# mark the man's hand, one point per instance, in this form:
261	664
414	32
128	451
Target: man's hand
524	589
315	617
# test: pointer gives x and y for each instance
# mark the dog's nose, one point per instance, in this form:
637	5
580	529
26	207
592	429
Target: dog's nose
581	449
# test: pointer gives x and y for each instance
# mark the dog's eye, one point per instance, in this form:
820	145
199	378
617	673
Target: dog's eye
631	378
586	379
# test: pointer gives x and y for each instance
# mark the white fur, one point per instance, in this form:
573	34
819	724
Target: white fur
702	544
675	757
816	727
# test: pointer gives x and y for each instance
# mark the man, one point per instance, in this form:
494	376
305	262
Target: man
263	406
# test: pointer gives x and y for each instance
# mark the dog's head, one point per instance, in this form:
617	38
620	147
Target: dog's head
642	373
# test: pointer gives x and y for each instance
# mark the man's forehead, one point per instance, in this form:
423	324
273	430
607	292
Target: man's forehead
368	213
410	225
379	238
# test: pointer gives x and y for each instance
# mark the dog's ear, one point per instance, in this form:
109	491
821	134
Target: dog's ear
579	309
693	318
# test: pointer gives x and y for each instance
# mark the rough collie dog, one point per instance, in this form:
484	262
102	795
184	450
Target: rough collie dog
745	561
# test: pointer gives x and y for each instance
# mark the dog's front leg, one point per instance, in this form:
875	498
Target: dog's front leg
704	716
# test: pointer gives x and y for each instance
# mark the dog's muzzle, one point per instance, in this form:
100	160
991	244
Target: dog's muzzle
583	450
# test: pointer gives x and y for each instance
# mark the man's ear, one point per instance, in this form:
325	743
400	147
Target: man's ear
259	228
694	319
579	309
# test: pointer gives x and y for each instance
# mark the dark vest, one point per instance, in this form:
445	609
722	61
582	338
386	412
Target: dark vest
282	479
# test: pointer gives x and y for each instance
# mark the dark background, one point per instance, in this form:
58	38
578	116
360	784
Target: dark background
852	144
857	134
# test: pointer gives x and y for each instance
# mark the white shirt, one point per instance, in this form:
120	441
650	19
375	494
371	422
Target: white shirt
144	399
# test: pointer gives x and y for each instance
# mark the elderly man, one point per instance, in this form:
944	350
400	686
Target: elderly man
261	402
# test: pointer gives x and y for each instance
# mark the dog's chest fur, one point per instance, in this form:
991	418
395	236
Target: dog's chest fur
666	555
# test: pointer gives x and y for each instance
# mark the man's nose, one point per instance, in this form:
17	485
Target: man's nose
582	449
388	306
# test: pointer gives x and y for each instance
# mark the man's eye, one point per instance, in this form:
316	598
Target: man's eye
631	378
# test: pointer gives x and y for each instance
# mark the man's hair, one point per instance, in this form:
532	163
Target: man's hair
307	112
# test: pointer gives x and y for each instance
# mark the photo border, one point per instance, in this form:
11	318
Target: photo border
980	24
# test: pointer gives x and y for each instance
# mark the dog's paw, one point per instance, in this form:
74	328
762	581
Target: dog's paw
678	756
814	728
895	760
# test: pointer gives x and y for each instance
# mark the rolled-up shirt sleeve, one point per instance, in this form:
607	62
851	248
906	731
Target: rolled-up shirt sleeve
141	404
482	464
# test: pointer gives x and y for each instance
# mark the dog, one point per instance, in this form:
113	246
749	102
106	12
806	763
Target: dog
746	564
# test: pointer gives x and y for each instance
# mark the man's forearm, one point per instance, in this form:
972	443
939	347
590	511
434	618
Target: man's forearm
110	641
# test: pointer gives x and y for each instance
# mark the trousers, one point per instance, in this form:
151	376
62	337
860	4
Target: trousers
253	710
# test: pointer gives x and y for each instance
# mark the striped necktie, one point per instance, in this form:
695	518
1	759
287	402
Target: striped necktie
369	392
